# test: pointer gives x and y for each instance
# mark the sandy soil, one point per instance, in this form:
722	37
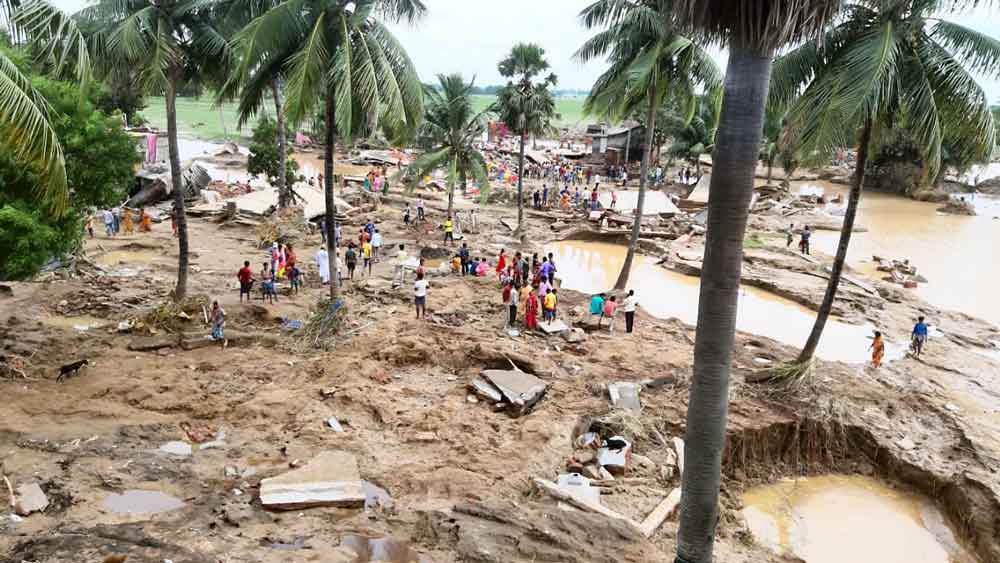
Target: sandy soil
460	474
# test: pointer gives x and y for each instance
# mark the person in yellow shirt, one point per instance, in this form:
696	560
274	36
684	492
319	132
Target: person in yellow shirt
366	253
127	221
456	264
550	306
449	236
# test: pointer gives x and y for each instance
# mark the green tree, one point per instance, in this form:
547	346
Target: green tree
649	63
451	129
342	54
525	104
99	157
753	30
265	155
694	135
885	61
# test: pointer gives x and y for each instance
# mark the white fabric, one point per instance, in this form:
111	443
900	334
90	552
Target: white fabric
420	288
629	304
323	261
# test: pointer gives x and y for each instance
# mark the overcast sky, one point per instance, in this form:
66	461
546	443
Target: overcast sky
471	36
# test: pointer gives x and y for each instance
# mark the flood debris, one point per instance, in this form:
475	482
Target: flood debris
334	425
141	502
581	502
661	513
329	479
30	498
554	327
519	391
625	396
679	450
176	448
615	455
578	486
386	549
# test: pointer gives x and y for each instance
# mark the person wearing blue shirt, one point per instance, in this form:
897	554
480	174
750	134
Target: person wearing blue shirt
920	332
597	306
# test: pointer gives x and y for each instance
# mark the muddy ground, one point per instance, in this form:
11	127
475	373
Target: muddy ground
459	474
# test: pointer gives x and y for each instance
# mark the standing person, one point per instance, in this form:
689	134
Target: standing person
501	262
406	215
323	263
127	221
145	221
267	284
804	242
463	253
338	234
294	278
536	200
420	208
545	195
552	267
89	225
531	311
116	215
351	256
790	235
525	272
366	255
377	245
522	296
629	307
401	258
550	306
512	298
322	230
449	235
597	307
593	198
275	257
218	319
878	350
610	308
614	199
173	221
474	220
420	295
245	275
290	259
109	222
919	336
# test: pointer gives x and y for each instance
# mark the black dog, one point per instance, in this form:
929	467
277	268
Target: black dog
70	370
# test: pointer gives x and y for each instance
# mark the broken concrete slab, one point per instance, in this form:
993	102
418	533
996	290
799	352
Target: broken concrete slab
906	444
520	390
30	498
555	491
659	515
329	479
177	448
578	486
574	336
486	390
554	327
625	396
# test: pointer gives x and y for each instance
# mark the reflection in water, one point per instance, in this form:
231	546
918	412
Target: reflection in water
591	267
834	519
953	252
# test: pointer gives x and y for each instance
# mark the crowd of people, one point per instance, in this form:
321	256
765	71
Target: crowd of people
120	220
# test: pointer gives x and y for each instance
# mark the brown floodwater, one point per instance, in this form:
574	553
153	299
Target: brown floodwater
593	267
954	252
838	519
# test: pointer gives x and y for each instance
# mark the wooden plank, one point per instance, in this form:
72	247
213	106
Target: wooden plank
679	448
660	514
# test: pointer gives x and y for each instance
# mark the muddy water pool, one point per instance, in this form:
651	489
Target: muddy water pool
593	267
836	519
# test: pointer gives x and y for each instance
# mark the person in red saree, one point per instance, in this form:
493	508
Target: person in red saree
501	263
531	312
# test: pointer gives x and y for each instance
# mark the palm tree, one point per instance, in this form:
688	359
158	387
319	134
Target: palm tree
342	54
253	81
752	30
694	135
649	63
450	129
884	62
525	106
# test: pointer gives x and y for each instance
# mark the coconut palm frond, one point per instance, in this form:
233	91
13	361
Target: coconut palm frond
63	44
307	75
762	25
979	52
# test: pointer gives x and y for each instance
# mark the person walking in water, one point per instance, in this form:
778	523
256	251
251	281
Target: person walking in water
920	332
878	349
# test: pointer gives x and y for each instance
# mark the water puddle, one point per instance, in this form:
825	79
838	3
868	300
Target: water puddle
141	502
834	519
389	550
592	267
80	323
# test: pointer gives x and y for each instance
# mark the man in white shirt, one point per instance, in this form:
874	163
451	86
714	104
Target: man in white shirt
629	307
420	295
377	245
401	258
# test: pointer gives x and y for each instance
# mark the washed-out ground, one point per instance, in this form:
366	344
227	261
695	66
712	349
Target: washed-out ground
460	475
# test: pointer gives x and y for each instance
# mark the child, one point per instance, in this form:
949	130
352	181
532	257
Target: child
295	278
366	254
550	306
351	256
90	225
218	319
610	307
267	284
596	307
406	215
420	295
878	350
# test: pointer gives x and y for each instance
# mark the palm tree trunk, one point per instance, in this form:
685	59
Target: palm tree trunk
845	240
770	166
283	195
735	160
331	204
180	291
643	180
451	197
520	188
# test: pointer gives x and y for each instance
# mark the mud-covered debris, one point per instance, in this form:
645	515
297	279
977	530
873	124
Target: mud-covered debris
329	479
574	336
578	486
521	391
615	455
906	444
176	448
334	425
389	550
554	327
661	513
30	498
486	390
625	396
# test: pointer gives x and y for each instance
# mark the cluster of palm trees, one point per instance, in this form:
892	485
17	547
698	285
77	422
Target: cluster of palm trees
854	71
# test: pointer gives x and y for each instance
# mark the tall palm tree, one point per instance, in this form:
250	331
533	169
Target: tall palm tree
450	129
342	54
885	62
650	62
253	81
752	30
694	135
165	42
525	105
